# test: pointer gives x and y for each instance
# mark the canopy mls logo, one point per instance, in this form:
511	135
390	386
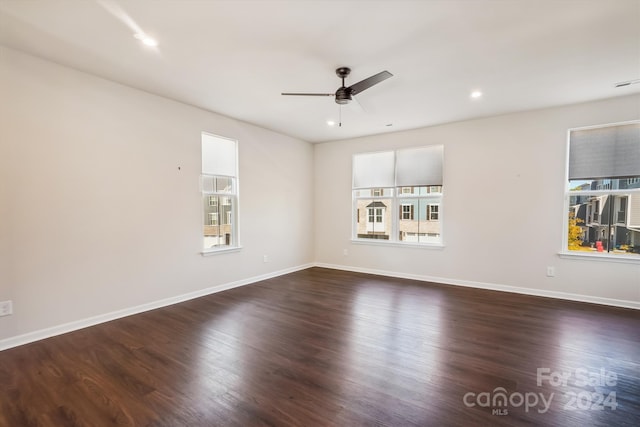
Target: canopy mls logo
500	400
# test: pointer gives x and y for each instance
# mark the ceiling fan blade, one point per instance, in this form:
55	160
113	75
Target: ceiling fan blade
308	94
356	105
356	88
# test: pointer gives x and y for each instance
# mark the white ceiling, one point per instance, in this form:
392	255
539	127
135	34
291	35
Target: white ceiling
236	57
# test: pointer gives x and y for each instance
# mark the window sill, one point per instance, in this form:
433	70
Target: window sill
387	243
601	257
210	252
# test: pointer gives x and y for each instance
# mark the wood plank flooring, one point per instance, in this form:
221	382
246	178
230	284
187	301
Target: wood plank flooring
324	347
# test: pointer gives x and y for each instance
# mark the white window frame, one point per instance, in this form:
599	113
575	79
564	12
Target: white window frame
606	257
233	195
434	196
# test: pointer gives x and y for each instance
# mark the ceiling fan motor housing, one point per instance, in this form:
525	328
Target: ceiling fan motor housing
343	96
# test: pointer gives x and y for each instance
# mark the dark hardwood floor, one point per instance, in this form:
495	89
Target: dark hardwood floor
329	348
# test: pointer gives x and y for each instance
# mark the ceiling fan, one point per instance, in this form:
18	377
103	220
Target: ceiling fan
344	95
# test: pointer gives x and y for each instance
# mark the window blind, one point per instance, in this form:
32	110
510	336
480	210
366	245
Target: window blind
606	152
419	166
218	156
373	170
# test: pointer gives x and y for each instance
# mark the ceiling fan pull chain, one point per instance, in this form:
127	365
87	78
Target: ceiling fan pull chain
340	115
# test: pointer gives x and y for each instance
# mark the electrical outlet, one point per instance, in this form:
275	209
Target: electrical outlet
6	308
265	258
551	271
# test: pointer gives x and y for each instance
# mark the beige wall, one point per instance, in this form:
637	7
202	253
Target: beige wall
502	211
99	197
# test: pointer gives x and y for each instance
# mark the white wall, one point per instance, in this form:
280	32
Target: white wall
503	205
97	217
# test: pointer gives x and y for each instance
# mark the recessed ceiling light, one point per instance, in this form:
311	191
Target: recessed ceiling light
331	123
476	94
146	40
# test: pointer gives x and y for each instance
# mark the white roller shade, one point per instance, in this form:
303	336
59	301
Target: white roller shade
373	170
218	156
419	166
607	152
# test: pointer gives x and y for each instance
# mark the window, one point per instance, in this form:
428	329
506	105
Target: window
219	183
407	211
603	192
213	218
375	217
397	195
621	210
433	212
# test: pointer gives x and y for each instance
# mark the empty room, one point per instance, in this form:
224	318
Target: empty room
319	213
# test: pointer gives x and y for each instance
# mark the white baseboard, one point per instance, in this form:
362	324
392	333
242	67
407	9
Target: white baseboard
91	321
490	286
